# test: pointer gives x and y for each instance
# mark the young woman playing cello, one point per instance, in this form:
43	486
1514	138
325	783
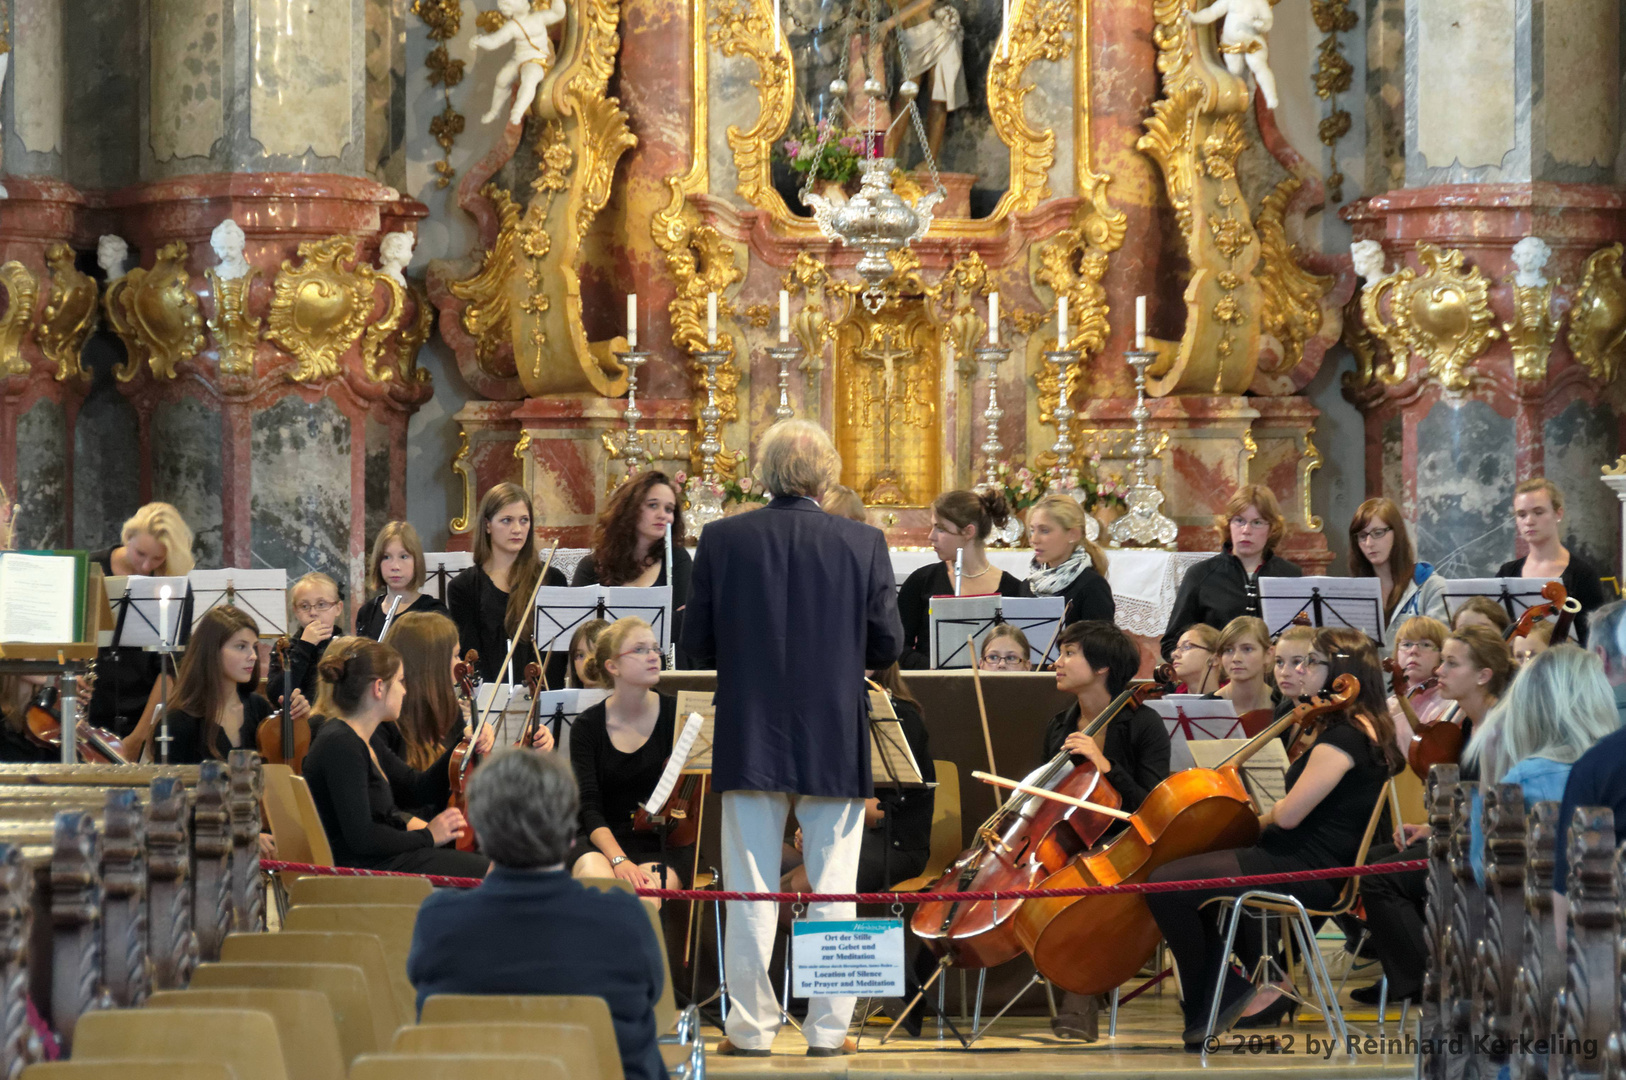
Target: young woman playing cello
1195	659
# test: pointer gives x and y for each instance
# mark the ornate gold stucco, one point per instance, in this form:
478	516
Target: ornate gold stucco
465	476
236	332
1598	319
1442	317
411	339
1308	463
701	262
70	313
1290	296
155	312
22	292
320	308
1072	263
811	323
485	316
1532	331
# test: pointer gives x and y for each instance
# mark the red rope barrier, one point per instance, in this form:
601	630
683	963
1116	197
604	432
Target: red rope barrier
1245	882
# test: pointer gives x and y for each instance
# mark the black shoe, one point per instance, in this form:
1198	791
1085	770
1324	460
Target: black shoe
726	1048
848	1046
1077	1017
1271	1015
1366	995
1228	1015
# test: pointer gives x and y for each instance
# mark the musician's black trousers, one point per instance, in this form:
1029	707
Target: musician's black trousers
1394	914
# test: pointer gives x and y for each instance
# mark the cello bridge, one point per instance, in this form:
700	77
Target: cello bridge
992	839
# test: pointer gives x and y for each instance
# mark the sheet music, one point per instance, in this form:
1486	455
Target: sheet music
1522	593
676	764
954	618
1356	603
891	762
32	605
1190	717
1265	773
560	610
260	594
699	701
559	709
141	597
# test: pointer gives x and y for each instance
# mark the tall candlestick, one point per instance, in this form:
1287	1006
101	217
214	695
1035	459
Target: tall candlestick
784	317
711	318
992	449
1061	321
632	320
1140	324
993	318
163	617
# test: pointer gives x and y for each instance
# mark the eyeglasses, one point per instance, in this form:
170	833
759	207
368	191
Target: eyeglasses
1299	663
1189	646
641	650
316	607
1373	534
1249	523
1003	660
1416	646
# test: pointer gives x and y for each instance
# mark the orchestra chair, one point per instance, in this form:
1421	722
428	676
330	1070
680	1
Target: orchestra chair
312	889
299	791
129	1070
362	1028
282	817
457	1067
572	1044
305	1025
391	923
1300	920
364	951
244	1039
947	842
591	1013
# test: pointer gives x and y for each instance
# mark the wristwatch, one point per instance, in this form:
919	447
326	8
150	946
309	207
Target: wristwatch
618	860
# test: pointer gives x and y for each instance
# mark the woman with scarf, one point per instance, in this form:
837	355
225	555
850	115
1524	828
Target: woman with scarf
1066	563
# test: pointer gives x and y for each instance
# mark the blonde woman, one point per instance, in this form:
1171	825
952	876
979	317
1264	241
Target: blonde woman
1066	563
316	614
395	574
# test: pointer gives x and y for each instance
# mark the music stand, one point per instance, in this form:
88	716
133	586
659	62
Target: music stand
260	594
1514	594
559	708
1192	717
1352	603
440	567
955	618
1265	773
560	610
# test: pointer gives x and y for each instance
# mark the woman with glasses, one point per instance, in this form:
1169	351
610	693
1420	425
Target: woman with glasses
317	611
961	522
1194	660
1005	648
1418	641
1219	589
1380	547
618	749
1300	670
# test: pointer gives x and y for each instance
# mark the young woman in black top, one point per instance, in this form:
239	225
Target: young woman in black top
961	522
358	787
1538	512
316	610
617	750
1318	824
1066	563
395	574
490	601
629	545
214	709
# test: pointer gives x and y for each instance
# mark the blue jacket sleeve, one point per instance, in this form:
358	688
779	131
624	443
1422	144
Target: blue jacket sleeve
699	638
884	641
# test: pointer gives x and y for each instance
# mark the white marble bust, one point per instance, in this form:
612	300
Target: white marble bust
1530	257
394	253
1368	257
111	255
228	241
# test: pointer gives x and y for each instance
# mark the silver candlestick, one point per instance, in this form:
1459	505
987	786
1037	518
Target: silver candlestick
1063	359
992	448
633	448
783	355
706	505
1145	524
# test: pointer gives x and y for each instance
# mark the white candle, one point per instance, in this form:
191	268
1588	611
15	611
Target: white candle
776	25
784	317
1061	321
1140	324
993	318
163	616
1005	28
632	320
711	318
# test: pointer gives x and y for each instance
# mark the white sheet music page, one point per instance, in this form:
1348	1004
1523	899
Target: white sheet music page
1356	603
1265	773
36	598
674	764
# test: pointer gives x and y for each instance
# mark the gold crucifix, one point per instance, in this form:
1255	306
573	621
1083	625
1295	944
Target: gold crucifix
886	491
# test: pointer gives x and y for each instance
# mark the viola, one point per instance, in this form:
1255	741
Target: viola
533	679
1090	944
463	755
93	744
1026	839
1555	598
280	740
681	813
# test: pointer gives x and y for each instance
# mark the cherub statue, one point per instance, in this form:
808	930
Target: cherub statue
228	241
533	54
111	255
1530	257
1368	259
1242	38
394	253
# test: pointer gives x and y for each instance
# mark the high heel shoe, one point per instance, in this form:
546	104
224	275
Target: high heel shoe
1271	1015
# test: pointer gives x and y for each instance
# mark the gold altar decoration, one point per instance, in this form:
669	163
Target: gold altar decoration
967	279
22	292
412	338
442	19
1195	134
320	308
1617	469
1308	463
1045	34
485	316
1532	331
887	377
1598	318
465	476
1072	263
236	332
70	313
744	28
1334	74
372	342
811	325
1442	318
701	262
1290	301
155	313
1371	367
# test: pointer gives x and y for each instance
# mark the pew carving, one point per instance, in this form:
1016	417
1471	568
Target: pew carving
211	860
1614	1051
19	1042
1541	968
171	942
1463	928
1440	797
247	884
124	914
1586	1010
76	923
1506	856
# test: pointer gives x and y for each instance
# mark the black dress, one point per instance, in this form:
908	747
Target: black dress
358	806
1087	596
186	732
914	608
1136	744
480	610
586	573
613	784
1580	580
1217	590
370	616
16	748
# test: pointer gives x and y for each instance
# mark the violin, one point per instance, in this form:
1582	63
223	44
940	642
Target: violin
1027	838
1555	597
527	730
279	739
463	755
681	811
1090	944
93	744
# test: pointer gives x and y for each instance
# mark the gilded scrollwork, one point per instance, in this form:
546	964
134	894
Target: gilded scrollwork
22	292
70	313
744	28
236	332
442	19
1334	75
379	329
811	324
321	307
465	477
1308	463
966	280
156	314
1045	34
701	262
1532	331
1290	296
1597	335
411	338
1441	318
1073	262
486	314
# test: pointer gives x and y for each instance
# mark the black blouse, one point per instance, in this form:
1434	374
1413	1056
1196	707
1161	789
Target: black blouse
370	617
1088	596
586	573
914	608
1136	744
1580	580
612	783
1330	834
186	733
480	610
358	804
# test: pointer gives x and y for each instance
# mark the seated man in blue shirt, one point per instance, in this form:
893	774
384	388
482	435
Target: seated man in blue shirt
529	928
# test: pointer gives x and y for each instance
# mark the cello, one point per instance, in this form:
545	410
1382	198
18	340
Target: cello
1090	944
278	733
1026	838
463	755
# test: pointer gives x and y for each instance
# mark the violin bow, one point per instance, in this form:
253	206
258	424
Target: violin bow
1054	634
514	644
982	709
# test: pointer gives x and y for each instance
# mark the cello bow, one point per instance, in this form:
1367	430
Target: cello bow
982	709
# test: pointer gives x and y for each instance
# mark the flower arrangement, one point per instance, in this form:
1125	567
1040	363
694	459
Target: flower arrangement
742	490
1022	487
841	157
695	487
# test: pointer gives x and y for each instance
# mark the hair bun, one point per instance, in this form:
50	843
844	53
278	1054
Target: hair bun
333	669
994	505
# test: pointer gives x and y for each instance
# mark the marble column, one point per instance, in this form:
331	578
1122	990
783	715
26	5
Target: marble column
1512	129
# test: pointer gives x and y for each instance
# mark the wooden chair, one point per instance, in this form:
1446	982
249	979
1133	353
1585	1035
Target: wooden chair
459	1067
243	1039
287	825
592	1013
572	1044
363	950
362	1028
946	840
129	1070
391	923
359	890
305	1026
299	793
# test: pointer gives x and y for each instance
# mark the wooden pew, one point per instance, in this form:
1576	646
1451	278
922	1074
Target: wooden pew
1464	927
1439	798
1587	1009
1502	945
1541	966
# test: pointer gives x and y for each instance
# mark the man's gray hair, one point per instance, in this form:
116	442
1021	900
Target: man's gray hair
796	457
523	807
1606	632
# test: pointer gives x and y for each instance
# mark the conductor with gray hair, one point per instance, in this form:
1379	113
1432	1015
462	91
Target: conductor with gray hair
529	928
790	605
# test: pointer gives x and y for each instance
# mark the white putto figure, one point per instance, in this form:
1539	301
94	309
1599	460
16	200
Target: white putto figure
228	241
1242	39
111	255
394	253
1530	257
533	54
1367	257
